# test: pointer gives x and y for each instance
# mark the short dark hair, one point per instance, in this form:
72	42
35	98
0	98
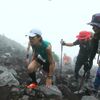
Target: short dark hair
39	36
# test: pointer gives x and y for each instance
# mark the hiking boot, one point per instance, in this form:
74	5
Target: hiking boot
32	86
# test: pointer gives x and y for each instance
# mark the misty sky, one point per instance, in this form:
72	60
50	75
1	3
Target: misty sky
55	18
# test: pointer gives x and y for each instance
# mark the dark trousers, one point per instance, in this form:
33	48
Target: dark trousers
81	61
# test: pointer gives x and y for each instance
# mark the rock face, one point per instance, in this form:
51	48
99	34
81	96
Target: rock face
53	91
66	91
11	65
7	77
89	98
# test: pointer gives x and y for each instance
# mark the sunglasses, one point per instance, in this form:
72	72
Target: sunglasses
31	38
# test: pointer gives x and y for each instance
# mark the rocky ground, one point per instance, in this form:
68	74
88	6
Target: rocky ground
64	88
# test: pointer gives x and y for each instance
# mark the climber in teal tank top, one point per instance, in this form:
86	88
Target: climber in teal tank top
42	55
42	49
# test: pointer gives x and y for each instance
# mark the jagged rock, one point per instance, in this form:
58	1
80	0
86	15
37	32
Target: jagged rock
52	91
68	93
6	58
7	78
3	57
88	98
1	71
25	97
14	89
8	54
2	68
13	72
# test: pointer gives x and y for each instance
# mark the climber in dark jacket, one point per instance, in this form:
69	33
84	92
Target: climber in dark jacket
95	23
84	43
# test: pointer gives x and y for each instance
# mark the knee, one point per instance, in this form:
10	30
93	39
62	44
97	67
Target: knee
30	70
31	67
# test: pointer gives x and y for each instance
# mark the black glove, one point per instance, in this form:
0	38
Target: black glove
63	43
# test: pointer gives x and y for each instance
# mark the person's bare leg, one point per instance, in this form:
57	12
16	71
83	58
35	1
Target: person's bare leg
31	70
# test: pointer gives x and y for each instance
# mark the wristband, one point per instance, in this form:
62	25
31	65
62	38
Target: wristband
50	76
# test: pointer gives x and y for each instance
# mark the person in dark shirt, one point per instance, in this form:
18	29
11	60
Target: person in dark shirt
95	23
85	45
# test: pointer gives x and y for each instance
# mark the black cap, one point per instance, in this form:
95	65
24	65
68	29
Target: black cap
95	20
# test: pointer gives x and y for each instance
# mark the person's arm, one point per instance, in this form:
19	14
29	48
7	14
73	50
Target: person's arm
69	44
51	61
33	56
51	67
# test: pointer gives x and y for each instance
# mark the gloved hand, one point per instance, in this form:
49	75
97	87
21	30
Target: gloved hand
63	43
